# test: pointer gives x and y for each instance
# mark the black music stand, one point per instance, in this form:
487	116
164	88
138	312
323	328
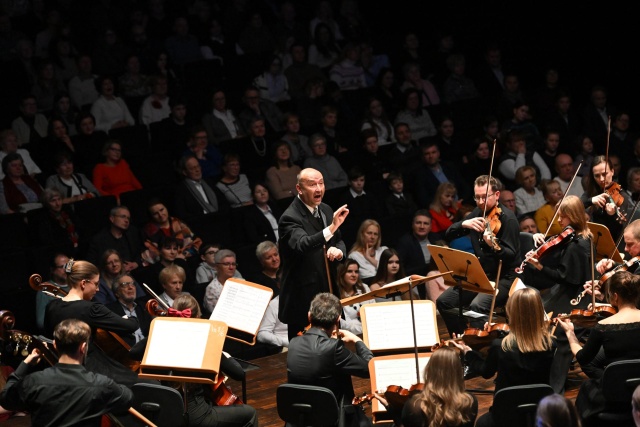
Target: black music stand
465	272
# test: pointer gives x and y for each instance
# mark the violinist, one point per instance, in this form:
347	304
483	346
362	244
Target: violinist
631	237
318	358
617	335
561	270
201	407
524	356
489	248
83	278
609	205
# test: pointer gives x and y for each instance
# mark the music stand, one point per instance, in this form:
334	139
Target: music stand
465	272
604	244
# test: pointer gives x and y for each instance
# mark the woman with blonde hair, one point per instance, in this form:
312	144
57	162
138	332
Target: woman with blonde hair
367	248
524	355
443	401
443	208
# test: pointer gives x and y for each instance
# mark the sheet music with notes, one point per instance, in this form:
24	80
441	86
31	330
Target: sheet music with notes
397	370
241	306
387	326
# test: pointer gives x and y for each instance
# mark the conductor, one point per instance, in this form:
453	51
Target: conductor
309	240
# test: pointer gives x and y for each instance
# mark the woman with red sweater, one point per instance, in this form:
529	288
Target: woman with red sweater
114	176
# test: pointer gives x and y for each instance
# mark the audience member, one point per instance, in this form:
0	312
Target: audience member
550	146
387	90
583	147
528	196
114	176
301	71
451	146
376	118
413	79
110	111
373	161
196	195
18	191
111	267
478	160
398	202
257	108
58	224
269	257
72	186
508	199
443	209
124	288
333	173
323	51
595	117
281	177
234	185
9	144
261	219
225	267
30	126
272	83
82	87
565	172
58	278
208	154
88	143
433	172
458	86
206	271
298	143
351	285
415	115
220	123
367	249
518	155
412	246
172	278
64	110
182	47
346	71
552	193
155	107
528	224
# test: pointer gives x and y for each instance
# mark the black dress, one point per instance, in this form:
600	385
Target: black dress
96	316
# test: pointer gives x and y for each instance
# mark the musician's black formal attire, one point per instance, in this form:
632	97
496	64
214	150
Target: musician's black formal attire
566	267
316	359
304	272
508	238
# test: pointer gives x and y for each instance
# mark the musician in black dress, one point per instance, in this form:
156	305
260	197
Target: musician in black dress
561	270
617	335
505	248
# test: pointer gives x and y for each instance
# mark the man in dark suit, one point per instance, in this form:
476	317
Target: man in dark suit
306	228
196	195
433	172
412	247
125	290
318	358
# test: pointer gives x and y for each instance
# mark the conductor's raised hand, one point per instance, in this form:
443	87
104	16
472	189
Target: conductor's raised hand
340	215
476	224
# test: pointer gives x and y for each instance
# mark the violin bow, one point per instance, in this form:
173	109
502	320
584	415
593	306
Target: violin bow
555	214
593	276
155	296
606	156
486	194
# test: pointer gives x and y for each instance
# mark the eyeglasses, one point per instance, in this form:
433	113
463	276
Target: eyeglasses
211	252
127	284
228	264
478	198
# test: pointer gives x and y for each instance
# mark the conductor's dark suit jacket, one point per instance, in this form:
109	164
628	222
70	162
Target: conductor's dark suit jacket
304	273
316	359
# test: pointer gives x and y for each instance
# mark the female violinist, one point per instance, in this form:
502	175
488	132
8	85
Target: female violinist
82	277
524	356
609	205
201	398
563	269
616	336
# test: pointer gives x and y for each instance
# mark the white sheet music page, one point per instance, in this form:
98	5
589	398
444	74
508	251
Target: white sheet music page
241	306
389	325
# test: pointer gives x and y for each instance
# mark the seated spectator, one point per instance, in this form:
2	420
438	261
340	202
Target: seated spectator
323	51
528	224
387	90
269	257
168	249
521	122
62	109
233	184
110	111
390	269
583	148
124	288
182	46
58	223
450	144
309	105
463	243
528	196
57	141
508	199
133	84
458	86
88	143
72	186
119	235
46	86
155	107
428	95
206	271
347	71
225	267
373	161
367	249
282	175
18	191
261	220
478	160
552	194
298	144
171	133
30	126
208	155
161	225
338	141
332	172
196	195
114	176
376	118
518	155
412	246
171	278
9	144
443	209
112	266
350	285
57	278
362	204
221	124
415	116
253	149
272	331
255	107
398	202
82	87
301	71
272	83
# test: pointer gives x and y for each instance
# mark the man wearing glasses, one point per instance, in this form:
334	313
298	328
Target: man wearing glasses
490	249
225	265
124	288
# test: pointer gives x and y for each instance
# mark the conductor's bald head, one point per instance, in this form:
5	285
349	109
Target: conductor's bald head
310	186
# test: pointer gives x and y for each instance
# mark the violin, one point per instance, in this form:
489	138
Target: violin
613	194
222	394
566	235
635	261
475	337
397	396
492	226
155	309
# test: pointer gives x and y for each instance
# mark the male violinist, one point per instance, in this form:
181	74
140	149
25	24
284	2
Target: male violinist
490	250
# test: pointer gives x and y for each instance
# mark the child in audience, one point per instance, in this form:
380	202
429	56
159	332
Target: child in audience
552	194
399	202
443	208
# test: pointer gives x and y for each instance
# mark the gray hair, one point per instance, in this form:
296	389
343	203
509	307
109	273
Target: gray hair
48	194
264	247
222	254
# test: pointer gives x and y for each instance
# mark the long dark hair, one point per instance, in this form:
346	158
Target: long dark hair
381	273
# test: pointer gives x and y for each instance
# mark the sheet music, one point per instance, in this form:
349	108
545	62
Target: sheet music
401	372
178	342
389	325
242	306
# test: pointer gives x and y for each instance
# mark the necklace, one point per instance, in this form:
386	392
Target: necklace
260	152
